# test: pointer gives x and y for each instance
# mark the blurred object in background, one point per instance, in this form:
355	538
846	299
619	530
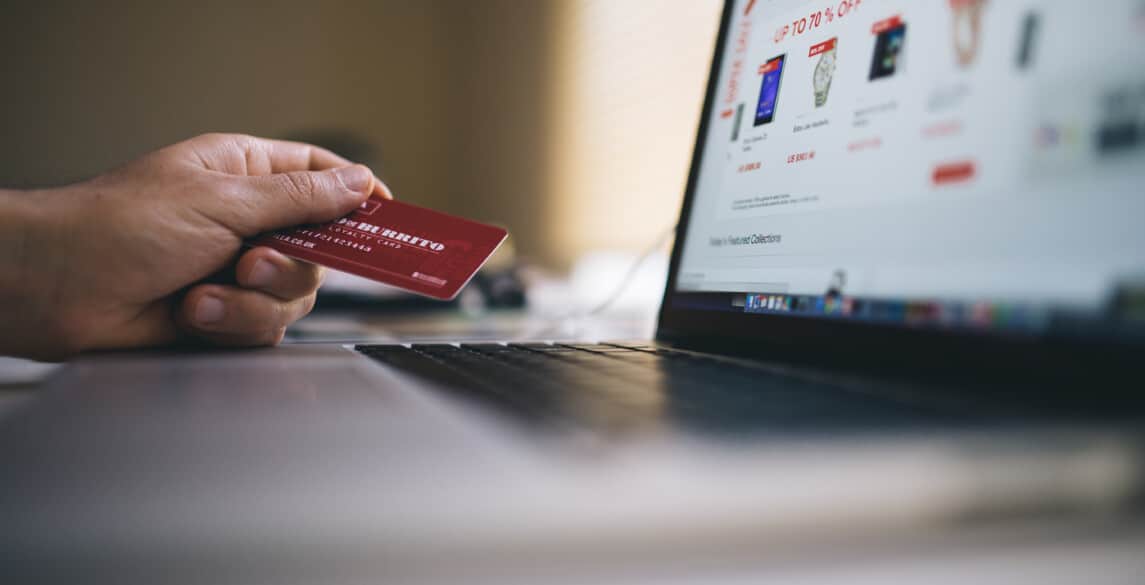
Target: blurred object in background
605	289
597	279
619	290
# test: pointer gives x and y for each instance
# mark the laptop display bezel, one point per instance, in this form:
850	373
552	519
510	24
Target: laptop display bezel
822	340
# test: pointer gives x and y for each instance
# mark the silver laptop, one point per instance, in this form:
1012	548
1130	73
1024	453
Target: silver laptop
932	211
907	294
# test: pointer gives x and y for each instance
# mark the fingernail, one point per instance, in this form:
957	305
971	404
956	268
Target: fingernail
209	310
262	274
356	178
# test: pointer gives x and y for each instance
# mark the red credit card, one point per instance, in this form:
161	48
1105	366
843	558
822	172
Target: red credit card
410	247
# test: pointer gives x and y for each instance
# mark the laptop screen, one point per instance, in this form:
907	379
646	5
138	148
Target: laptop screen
972	165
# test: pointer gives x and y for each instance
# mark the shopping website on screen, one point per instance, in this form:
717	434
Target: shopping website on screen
946	149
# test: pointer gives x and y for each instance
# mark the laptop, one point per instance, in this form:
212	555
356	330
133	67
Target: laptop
903	322
898	215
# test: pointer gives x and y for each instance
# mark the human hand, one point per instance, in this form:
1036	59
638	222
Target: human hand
119	261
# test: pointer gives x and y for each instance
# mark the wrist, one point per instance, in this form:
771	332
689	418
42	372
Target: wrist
28	326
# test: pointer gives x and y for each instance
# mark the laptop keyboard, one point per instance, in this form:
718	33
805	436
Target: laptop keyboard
635	386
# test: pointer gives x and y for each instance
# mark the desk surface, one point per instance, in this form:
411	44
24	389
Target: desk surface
202	467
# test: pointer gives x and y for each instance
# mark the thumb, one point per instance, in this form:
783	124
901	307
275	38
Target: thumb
281	200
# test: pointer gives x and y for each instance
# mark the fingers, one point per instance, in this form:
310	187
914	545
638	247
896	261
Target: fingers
238	154
271	202
235	316
269	271
277	291
272	184
284	156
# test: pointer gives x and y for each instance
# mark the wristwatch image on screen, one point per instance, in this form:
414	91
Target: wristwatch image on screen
824	71
967	29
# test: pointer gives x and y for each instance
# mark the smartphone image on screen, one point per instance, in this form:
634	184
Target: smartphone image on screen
769	90
888	48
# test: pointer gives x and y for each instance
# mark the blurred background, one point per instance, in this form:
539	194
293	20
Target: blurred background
570	122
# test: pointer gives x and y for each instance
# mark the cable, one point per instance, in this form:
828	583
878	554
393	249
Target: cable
559	322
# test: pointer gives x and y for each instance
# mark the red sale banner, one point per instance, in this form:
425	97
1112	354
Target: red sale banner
823	47
884	25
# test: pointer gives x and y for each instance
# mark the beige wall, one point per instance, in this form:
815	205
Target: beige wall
511	111
87	85
500	125
630	79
